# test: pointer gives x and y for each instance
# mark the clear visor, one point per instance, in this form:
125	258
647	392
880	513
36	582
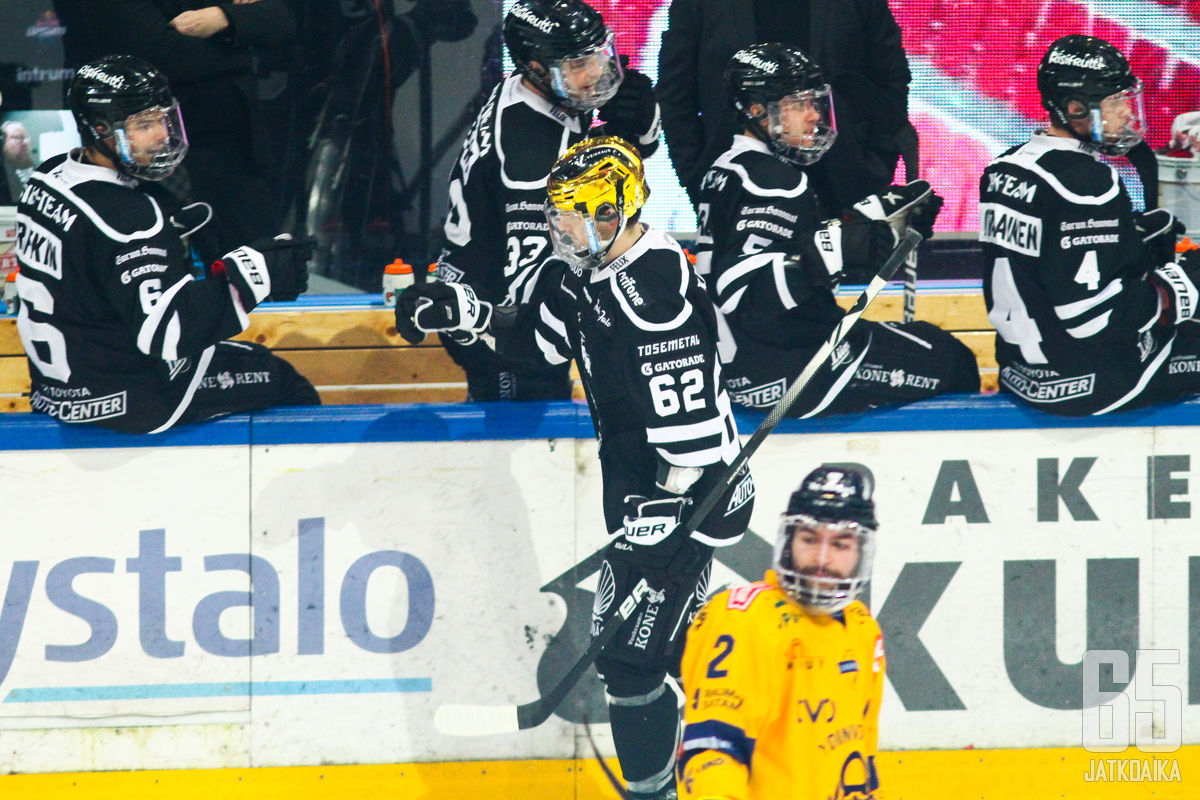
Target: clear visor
580	239
802	126
151	143
589	79
824	566
1119	121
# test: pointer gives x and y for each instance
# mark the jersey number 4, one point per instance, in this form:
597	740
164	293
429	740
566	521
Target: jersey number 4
1010	317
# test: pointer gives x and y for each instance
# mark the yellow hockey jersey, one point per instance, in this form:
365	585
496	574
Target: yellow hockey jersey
780	702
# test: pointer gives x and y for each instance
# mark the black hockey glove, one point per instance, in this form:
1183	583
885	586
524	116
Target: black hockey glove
287	261
912	205
1177	287
859	246
1159	230
436	306
632	113
656	543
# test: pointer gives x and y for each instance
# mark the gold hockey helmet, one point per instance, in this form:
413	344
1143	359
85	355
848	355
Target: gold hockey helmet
594	189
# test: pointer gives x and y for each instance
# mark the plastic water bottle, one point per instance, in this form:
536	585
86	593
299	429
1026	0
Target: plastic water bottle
11	303
397	276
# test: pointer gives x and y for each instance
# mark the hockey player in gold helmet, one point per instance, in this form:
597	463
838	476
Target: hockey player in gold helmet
628	308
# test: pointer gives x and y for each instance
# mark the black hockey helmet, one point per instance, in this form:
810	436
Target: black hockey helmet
1088	70
771	75
838	499
113	93
556	36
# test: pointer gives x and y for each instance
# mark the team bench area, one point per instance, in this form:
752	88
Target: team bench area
348	347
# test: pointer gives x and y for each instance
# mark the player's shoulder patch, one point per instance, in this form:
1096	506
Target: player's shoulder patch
740	598
650	283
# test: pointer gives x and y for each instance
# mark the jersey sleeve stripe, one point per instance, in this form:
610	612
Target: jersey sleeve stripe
785	294
555	324
549	351
170	347
154	320
734	301
744	268
1070	310
1092	327
713	734
694	458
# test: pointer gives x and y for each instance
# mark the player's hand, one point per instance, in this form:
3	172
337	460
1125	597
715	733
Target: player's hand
648	522
436	306
201	23
914	205
1159	230
655	542
287	260
857	245
1177	287
632	113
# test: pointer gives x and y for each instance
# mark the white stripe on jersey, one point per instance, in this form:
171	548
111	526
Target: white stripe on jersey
657	240
1040	144
781	287
153	321
685	433
744	267
1142	381
734	301
514	93
555	324
838	385
1069	310
170	348
71	173
891	326
549	351
1092	327
201	368
742	143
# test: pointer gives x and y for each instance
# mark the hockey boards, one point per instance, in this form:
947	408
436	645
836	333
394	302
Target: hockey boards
456	719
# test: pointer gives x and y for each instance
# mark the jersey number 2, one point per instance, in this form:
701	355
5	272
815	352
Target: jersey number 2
725	646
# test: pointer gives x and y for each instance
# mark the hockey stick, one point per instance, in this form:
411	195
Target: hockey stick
478	720
910	287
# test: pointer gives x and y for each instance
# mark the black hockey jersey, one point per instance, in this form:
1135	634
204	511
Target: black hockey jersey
116	328
643	333
754	212
1065	280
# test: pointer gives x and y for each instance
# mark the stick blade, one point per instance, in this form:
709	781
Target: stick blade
455	719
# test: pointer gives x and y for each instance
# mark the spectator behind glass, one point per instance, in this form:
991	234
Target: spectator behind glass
856	42
18	161
205	51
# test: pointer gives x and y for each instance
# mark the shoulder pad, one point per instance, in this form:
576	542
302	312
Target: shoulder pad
652	290
127	213
758	174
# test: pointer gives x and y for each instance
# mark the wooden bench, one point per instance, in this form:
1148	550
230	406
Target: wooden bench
348	347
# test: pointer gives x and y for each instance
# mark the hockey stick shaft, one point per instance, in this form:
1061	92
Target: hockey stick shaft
910	287
466	720
908	244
